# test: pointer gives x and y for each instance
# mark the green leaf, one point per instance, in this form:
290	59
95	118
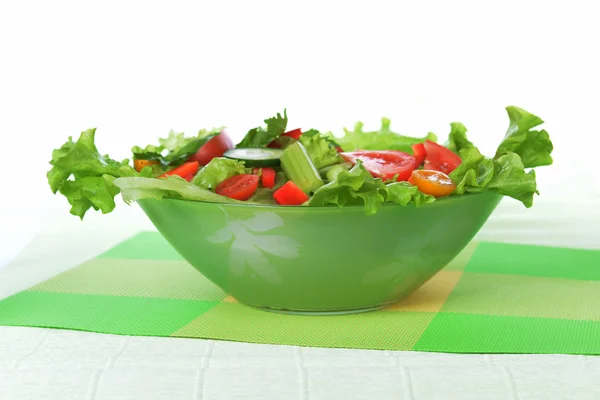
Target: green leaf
510	179
383	139
474	173
136	188
534	147
457	139
261	137
320	149
404	193
84	176
216	171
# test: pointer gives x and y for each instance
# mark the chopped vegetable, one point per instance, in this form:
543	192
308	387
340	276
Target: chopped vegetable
433	183
267	177
419	154
140	164
300	169
217	171
215	147
186	171
290	195
321	150
386	164
294	134
239	187
440	158
256	157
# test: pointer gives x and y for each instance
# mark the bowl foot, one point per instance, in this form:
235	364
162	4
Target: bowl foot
320	312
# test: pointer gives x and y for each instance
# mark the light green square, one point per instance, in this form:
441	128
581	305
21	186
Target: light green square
514	295
136	278
144	246
375	330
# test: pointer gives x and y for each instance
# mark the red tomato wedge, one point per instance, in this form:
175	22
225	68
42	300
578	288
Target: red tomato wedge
433	183
239	187
215	147
290	195
267	176
419	154
384	164
294	134
186	171
440	158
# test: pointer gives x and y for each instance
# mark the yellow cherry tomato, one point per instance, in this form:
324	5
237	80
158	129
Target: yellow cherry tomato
433	183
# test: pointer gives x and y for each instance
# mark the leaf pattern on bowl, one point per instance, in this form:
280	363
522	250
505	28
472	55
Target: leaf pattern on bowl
249	244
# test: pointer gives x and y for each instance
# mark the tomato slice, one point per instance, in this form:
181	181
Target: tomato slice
384	164
441	158
419	154
433	183
215	147
187	171
140	164
290	195
239	187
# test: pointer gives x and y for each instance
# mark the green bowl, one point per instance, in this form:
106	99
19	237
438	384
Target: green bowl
319	259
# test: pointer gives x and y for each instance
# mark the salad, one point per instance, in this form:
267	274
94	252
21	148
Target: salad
295	167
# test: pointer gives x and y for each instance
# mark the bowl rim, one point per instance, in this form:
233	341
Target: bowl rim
329	207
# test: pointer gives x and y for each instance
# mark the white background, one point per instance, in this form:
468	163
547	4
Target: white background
135	70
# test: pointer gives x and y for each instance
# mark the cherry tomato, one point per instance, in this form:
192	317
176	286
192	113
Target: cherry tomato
384	164
140	164
440	158
419	154
433	183
187	171
239	187
215	147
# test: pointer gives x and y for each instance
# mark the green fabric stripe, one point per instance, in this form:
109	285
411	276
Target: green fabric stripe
517	295
106	314
144	246
139	278
468	333
501	258
375	330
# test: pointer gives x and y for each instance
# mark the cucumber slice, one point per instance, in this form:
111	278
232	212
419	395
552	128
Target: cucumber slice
259	157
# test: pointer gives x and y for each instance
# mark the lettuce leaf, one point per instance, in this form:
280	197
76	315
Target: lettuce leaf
261	137
358	187
457	139
216	171
85	177
534	147
383	139
521	148
320	149
136	188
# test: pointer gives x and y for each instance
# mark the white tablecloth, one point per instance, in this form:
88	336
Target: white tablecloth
53	364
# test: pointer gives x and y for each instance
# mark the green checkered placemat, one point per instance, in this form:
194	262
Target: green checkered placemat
493	298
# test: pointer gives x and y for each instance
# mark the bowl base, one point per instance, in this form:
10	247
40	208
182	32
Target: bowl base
320	312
